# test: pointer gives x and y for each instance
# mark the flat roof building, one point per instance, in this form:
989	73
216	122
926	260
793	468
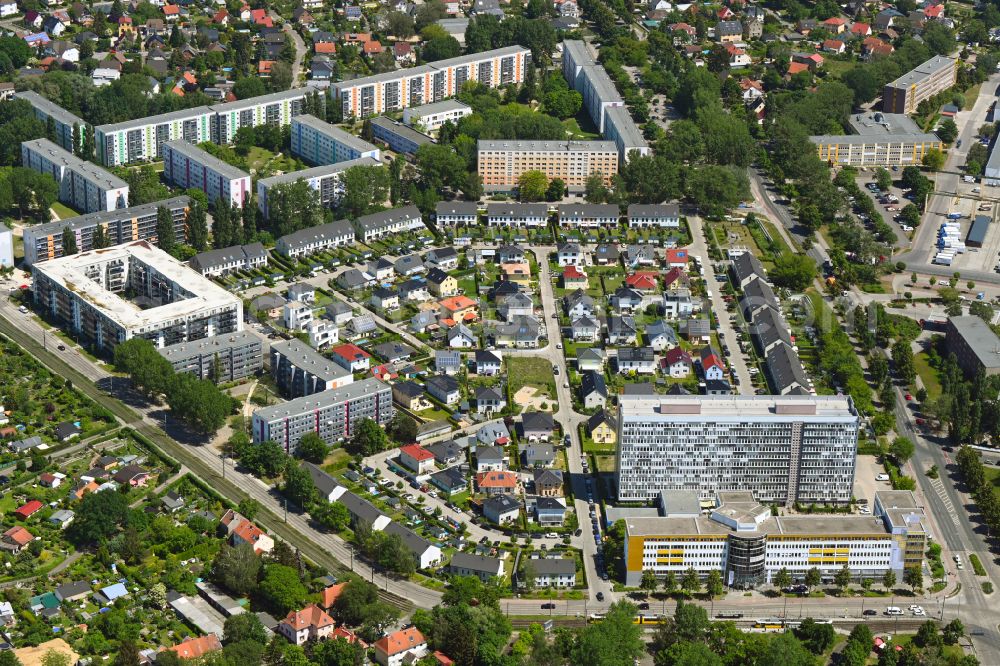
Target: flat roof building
221	358
975	345
43	242
318	142
430	117
324	179
977	231
300	370
330	414
83	186
64	122
883	139
501	162
922	82
186	165
785	449
135	290
142	139
399	137
272	109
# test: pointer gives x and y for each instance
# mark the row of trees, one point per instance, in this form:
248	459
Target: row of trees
979	486
198	402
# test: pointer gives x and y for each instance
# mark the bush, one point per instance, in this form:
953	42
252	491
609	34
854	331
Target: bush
977	566
987	587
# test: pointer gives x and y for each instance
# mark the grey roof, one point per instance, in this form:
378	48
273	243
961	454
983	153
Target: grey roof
636	354
305	358
602	85
487	357
490	565
728	28
979	337
444	451
607	250
590	353
502	503
392	350
321	399
78	587
54	111
593	382
109	217
922	72
868	139
769	327
442	383
413	541
537	146
387	217
629	134
568	247
409	389
747	265
549	504
352	278
531	421
438	107
785	368
212	258
698	326
450	478
601	417
408	262
658	328
457	208
210	161
430	67
324	483
587	210
271	98
436	276
517	210
400	130
547	477
447	357
172	116
757	293
577	297
492	453
538	452
333	132
317	172
89	171
488	393
584	323
552	566
209	345
521	327
654	210
360	509
26	443
977	232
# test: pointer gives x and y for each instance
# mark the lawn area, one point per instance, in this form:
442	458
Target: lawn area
928	375
576	132
63	211
260	160
525	371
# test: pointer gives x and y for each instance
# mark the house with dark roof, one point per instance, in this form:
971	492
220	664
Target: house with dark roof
481	566
488	363
593	390
548	511
590	358
768	329
746	267
548	482
537	454
450	481
784	371
501	509
757	294
640	360
622	330
537	426
326	486
490	459
444	388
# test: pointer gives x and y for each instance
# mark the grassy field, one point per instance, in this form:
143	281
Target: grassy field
63	211
260	159
536	372
928	375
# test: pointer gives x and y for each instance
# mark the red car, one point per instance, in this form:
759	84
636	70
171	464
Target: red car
920	422
909	397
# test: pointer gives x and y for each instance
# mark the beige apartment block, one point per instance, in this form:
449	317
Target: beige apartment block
501	162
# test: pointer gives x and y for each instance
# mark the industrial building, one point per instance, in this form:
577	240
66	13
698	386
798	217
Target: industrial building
83	186
784	449
43	242
977	231
922	82
330	414
142	139
64	122
879	139
324	179
399	137
501	162
186	165
975	345
220	358
319	143
740	538
300	370
135	290
430	117
433	82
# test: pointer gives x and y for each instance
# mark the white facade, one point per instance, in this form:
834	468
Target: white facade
6	247
323	179
318	142
431	117
186	165
142	139
82	185
642	216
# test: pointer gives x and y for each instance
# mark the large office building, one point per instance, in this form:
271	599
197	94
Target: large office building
975	345
879	139
142	139
501	162
601	99
274	109
741	539
64	122
308	241
83	185
43	242
186	165
318	142
433	82
922	82
220	358
784	449
324	179
133	291
330	414
300	370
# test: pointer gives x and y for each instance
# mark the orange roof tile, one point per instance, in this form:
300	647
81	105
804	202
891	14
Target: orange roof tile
400	641
194	648
331	593
310	616
19	535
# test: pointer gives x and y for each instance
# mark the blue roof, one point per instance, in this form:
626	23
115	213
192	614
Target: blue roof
112	592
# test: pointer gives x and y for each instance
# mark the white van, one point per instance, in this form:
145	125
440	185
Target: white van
881	477
893	610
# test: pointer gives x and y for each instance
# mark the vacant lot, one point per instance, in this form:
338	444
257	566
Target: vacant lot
535	372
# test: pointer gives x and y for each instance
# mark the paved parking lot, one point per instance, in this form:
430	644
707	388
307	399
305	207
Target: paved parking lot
865	485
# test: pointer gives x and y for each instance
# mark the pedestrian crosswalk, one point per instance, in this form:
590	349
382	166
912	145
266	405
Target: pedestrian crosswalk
943	494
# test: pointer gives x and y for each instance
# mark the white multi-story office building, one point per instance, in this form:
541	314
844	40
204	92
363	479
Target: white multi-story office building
115	294
142	139
430	117
82	185
64	122
433	82
43	242
186	165
324	179
330	414
274	109
784	449
318	142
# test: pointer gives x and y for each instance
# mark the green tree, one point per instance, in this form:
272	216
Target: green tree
8	658
244	627
165	237
690	582
282	589
817	638
648	583
812	578
368	438
947	131
366	188
266	459
782	578
128	654
883	178
402	428
53	658
714	585
299	486
901	450
889	579
914	577
613	640
440	48
236	568
532	185
842	578
716	189
99	517
556	190
100	238
248	86
400	25
334	516
311	447
293	206
793	271
933	159
248	507
594	189
953	631
197	224
670	582
68	242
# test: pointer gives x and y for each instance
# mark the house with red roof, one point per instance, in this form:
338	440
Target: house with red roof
934	11
372	47
574	278
221	17
195	648
325	48
835	24
416	458
712	366
642	281
834	46
403	52
406	644
675	275
260	17
725	14
15	539
330	594
28	509
241	530
496	482
172	12
677	363
861	29
459	308
352	357
347	635
310	623
50	480
264	68
443	659
677	257
386	372
684	28
795	68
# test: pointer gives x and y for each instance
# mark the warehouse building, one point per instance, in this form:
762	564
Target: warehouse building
83	185
433	82
186	165
977	231
220	358
784	449
330	414
135	290
975	345
142	139
741	539
43	242
318	142
501	162
922	82
324	179
300	370
64	122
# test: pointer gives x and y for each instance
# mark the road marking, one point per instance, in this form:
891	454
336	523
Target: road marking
943	494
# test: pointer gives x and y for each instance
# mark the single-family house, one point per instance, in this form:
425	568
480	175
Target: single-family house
593	389
622	330
440	283
448	362
501	509
490	459
554	572
549	511
489	400
310	623
548	482
444	388
497	483
461	336
585	329
677	363
711	364
640	360
590	358
487	363
481	566
403	646
603	428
